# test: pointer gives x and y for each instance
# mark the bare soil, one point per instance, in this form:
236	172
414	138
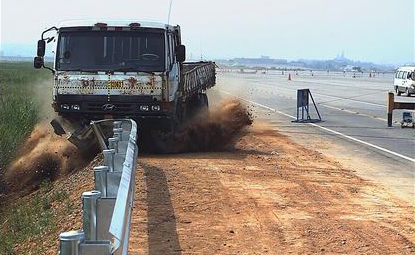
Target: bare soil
267	196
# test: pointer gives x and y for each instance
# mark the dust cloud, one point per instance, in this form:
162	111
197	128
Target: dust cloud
44	156
215	130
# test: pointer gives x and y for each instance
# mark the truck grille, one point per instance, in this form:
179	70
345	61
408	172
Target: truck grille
109	107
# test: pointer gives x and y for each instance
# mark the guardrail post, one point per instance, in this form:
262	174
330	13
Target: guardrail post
113	143
69	242
100	175
89	201
109	158
95	210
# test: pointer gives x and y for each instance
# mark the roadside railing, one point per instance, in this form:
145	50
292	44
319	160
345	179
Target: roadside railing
107	209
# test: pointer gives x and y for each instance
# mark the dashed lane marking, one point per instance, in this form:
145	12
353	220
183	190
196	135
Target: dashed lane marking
324	128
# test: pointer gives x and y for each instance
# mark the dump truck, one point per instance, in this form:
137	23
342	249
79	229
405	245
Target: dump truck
123	69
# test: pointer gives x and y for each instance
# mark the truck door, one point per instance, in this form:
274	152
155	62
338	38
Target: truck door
174	73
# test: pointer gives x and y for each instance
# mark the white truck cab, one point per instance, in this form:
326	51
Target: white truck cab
404	81
124	69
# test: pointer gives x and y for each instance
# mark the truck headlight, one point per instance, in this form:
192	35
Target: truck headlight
65	106
75	107
144	108
155	108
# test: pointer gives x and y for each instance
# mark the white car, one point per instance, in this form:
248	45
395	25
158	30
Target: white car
404	81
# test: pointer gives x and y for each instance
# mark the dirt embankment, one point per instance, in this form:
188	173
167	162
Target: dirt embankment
44	156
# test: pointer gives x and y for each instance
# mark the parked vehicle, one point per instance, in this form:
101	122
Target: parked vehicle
124	69
404	81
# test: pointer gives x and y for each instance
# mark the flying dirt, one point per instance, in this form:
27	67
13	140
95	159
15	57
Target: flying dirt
46	156
213	130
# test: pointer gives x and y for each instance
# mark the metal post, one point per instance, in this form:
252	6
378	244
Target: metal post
315	106
99	135
391	99
302	112
109	158
89	201
113	143
100	176
69	242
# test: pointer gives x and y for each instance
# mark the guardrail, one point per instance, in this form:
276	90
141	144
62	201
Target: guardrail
107	209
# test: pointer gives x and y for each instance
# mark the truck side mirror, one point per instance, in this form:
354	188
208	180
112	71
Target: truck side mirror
41	46
38	62
180	53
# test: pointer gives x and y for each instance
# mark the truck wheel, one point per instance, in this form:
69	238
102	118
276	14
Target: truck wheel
407	92
203	105
205	101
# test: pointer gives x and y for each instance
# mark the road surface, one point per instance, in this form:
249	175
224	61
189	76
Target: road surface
354	119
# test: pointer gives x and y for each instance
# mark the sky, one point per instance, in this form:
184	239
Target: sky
380	31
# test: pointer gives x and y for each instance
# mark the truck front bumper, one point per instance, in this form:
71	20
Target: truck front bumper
98	107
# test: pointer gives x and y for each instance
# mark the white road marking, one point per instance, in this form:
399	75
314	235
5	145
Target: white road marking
358	113
324	128
328	96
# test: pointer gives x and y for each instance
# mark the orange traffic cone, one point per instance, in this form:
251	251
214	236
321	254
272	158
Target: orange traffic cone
289	76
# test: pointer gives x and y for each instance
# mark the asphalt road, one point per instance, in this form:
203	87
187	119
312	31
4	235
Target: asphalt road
353	112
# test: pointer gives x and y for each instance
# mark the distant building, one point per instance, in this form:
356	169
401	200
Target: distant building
263	61
339	63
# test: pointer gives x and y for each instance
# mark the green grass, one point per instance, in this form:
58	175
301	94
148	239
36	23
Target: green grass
19	107
30	219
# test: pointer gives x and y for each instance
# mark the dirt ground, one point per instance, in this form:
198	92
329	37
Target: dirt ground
267	196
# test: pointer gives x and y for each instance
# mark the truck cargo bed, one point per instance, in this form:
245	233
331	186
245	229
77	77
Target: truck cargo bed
197	77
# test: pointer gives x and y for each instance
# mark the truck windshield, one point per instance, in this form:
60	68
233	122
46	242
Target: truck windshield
110	51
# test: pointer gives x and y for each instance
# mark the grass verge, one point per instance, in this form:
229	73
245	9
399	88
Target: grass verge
19	106
31	218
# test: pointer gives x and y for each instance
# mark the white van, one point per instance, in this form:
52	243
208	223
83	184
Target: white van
404	81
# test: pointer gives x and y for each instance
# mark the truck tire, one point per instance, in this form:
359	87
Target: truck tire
205	101
407	92
195	105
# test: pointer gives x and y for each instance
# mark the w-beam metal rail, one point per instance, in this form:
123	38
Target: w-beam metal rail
107	209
